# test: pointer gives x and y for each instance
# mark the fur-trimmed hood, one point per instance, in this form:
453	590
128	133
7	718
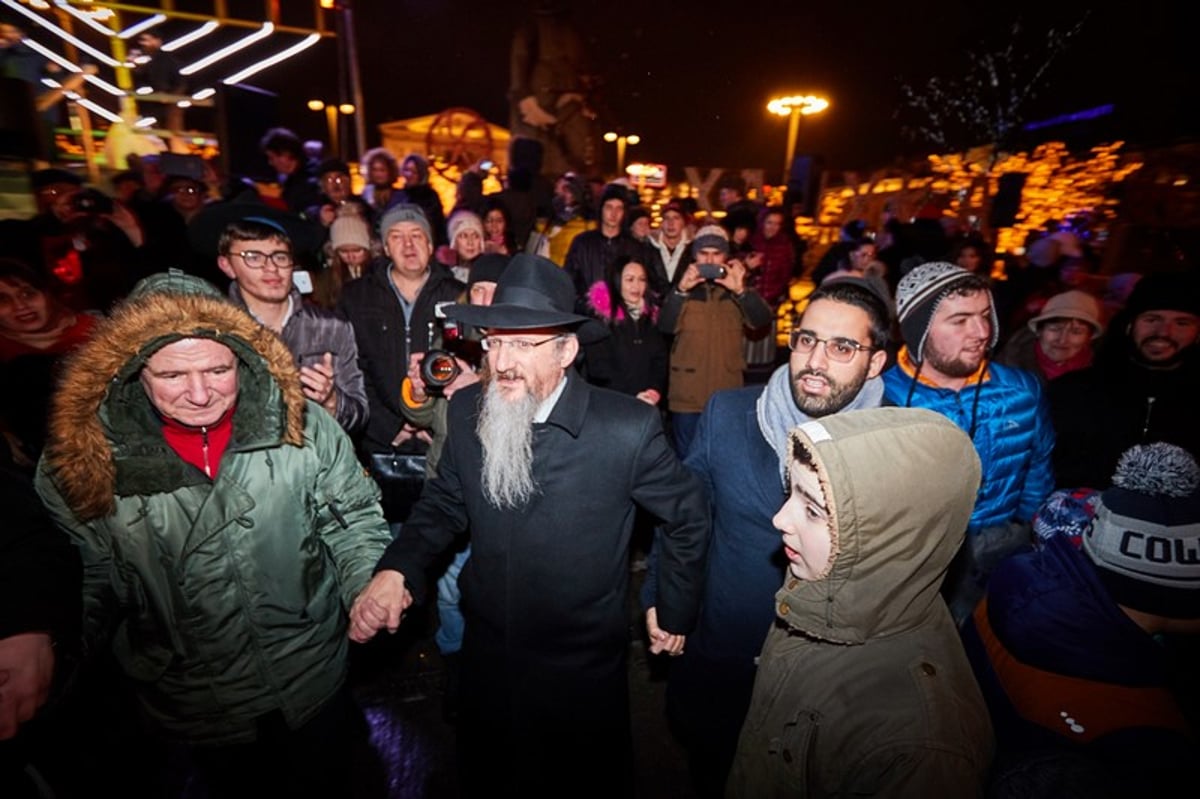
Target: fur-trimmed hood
600	302
104	435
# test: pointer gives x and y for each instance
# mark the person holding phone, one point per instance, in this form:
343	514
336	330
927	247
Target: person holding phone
707	313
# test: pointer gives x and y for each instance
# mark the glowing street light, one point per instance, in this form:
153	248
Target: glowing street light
795	107
621	141
331	114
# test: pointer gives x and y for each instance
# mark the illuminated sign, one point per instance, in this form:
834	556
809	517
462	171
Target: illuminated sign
652	176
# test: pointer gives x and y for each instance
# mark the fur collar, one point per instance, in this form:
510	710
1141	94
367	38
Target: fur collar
104	437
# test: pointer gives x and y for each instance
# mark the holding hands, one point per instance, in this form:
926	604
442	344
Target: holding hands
381	604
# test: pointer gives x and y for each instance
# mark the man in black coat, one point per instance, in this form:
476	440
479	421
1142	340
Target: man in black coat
545	471
1142	388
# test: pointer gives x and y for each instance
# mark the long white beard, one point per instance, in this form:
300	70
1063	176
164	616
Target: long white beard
506	432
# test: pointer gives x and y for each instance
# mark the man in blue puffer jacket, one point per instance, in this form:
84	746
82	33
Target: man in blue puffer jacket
948	321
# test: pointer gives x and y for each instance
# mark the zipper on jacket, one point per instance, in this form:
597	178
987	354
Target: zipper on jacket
204	449
1149	413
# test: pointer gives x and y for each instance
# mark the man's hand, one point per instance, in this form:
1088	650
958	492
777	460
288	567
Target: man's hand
26	671
127	223
381	604
533	114
691	278
316	380
735	276
661	640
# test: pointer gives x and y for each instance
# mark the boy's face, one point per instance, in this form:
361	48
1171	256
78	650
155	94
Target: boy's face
805	524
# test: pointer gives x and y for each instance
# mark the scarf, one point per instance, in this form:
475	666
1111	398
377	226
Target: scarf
1052	370
778	414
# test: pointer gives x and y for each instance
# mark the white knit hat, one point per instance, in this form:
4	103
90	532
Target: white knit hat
461	220
349	231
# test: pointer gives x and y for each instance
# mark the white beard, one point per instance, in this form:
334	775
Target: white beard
506	432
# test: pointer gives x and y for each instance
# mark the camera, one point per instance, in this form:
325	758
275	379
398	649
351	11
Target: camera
711	272
91	201
438	369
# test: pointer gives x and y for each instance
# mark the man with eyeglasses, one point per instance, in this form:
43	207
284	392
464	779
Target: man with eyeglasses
838	349
948	319
256	254
545	470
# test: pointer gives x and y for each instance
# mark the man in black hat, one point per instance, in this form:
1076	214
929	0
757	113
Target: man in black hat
545	471
1142	387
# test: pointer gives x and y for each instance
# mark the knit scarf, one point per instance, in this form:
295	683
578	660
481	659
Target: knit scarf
777	411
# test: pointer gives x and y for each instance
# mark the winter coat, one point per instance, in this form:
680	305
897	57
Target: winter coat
1049	638
633	357
707	353
1101	411
1010	420
545	591
385	339
863	688
311	331
226	598
590	254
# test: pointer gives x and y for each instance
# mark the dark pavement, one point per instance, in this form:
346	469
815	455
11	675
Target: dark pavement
399	681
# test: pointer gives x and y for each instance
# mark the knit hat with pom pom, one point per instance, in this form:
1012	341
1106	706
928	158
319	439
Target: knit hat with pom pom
1145	540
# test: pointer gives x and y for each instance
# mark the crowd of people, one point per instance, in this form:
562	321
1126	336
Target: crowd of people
944	543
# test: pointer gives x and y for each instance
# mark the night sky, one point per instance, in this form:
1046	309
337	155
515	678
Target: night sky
693	79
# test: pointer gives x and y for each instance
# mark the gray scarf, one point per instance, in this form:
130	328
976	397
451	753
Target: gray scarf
777	411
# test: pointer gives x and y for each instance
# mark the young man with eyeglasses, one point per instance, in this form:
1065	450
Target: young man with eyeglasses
838	352
256	254
544	471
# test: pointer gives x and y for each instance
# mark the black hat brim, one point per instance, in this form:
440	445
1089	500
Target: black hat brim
205	229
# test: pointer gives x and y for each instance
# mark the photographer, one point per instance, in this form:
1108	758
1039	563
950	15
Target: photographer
88	244
708	313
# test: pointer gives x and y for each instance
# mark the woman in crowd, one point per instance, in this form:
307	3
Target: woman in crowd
633	358
36	331
465	231
348	252
382	171
1059	339
497	227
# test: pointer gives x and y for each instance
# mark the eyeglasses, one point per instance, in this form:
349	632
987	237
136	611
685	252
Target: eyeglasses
520	346
280	259
841	350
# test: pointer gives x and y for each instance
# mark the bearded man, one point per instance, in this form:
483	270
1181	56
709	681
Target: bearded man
838	351
948	318
545	472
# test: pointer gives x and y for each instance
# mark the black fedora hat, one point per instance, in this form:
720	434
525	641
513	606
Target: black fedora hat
532	292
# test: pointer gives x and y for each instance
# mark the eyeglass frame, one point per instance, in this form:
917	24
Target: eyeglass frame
520	346
266	256
825	342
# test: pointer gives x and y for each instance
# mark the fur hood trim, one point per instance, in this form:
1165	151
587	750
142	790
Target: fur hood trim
100	410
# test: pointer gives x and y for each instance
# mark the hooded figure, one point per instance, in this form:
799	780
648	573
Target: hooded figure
220	557
863	688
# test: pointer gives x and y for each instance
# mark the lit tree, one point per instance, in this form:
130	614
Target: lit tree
988	103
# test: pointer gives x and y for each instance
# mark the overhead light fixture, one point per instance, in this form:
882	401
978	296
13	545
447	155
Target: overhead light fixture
146	24
188	38
145	122
105	85
99	110
86	17
203	94
62	34
266	30
49	54
282	55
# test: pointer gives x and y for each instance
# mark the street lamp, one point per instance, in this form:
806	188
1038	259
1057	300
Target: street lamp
621	140
794	107
331	119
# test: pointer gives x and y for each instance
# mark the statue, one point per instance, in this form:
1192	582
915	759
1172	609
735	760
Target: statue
549	87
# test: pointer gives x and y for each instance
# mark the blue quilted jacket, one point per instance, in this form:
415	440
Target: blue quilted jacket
1009	421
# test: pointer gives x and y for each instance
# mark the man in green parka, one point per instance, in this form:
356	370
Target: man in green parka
225	527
